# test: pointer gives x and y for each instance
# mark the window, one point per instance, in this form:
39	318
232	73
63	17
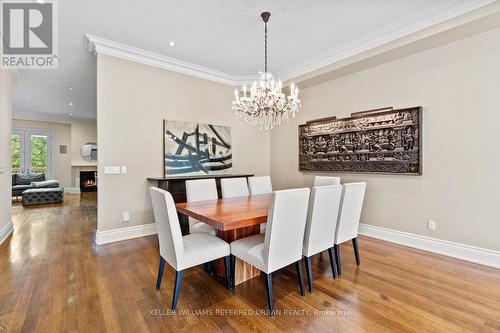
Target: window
16	152
32	151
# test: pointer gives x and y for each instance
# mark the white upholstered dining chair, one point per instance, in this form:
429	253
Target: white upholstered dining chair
234	187
182	252
325	181
321	224
281	245
260	185
200	190
351	205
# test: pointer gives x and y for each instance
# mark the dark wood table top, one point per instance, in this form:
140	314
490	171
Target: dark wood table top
229	214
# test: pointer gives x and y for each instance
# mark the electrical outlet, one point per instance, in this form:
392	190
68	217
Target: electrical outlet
126	216
431	225
111	170
124	170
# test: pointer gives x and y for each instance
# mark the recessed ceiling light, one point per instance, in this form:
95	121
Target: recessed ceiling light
70	88
71	114
171	43
71	104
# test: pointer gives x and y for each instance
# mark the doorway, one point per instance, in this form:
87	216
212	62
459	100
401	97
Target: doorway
32	151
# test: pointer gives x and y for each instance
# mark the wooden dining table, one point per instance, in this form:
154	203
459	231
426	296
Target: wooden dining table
232	219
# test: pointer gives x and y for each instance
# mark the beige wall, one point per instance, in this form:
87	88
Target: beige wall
458	85
6	82
62	136
132	101
81	133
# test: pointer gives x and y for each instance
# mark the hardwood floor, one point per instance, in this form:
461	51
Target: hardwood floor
53	278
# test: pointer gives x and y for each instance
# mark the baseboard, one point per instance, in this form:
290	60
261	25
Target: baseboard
71	190
456	250
6	231
116	235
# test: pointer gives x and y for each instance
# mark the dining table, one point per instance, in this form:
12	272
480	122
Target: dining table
232	219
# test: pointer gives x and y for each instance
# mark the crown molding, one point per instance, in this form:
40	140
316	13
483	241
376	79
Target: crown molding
48	117
98	45
463	26
391	32
395	30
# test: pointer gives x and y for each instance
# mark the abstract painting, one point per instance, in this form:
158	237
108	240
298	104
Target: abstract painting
378	141
196	149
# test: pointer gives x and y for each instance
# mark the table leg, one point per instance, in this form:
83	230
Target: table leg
184	223
243	270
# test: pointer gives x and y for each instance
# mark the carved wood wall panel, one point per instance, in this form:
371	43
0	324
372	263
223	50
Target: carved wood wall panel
367	142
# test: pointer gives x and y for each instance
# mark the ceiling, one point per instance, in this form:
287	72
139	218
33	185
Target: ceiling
225	36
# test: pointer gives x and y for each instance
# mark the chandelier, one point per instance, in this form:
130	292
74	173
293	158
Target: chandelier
264	104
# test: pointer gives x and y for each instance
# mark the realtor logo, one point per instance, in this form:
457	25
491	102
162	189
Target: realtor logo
29	34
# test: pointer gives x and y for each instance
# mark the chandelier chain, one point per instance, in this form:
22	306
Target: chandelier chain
265	47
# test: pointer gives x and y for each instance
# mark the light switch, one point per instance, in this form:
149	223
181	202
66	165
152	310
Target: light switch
2	168
111	170
124	170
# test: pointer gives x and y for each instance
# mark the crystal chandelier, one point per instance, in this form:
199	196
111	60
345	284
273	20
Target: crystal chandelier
264	104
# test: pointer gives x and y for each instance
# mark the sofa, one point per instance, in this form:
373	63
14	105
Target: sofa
24	181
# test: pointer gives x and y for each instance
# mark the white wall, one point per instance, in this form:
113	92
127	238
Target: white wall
458	85
6	82
132	101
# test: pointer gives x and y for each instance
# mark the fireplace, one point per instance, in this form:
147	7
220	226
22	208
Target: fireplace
88	181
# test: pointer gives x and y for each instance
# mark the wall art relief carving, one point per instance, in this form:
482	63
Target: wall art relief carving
378	141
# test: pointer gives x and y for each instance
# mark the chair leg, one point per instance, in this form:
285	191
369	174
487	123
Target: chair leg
336	247
160	273
177	287
309	274
233	269
269	290
333	263
228	271
356	250
298	268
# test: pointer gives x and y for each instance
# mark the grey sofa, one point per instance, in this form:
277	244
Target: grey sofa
22	182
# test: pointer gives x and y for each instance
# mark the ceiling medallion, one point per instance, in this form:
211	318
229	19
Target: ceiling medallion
264	104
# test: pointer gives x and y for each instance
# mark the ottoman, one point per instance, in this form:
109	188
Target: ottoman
40	196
